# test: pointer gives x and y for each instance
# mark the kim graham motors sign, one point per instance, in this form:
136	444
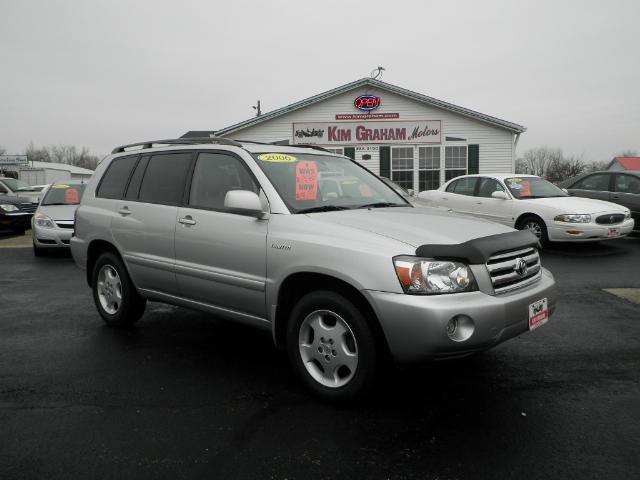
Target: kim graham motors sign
380	132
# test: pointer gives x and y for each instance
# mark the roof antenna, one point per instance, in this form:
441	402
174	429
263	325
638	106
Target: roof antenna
257	109
377	72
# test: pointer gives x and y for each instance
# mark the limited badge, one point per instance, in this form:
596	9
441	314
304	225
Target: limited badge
277	158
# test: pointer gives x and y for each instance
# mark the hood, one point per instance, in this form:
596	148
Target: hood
413	226
58	212
576	204
15	200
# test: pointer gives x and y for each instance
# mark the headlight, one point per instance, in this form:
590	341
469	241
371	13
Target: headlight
421	276
7	207
573	218
43	221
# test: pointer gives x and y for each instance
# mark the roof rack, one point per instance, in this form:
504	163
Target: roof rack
280	143
178	141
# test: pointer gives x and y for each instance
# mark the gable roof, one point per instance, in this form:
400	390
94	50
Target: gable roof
628	163
370	82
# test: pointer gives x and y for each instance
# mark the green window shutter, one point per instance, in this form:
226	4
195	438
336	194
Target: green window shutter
385	162
350	152
473	159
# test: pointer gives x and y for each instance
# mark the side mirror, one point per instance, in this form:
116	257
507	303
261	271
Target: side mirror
499	195
244	202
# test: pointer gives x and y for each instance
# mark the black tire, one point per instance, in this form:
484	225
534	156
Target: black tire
529	221
40	251
131	306
364	377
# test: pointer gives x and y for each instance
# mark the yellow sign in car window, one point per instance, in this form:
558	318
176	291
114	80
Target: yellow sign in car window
277	157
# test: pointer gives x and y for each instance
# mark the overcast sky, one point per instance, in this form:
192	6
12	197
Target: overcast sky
102	73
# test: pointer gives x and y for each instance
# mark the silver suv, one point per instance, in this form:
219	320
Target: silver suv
343	271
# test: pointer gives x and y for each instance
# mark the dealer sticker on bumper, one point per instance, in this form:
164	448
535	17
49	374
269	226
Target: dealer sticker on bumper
538	314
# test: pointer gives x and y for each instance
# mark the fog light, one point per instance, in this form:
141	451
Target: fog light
460	328
575	232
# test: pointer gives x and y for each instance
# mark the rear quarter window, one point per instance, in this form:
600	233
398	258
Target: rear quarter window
114	181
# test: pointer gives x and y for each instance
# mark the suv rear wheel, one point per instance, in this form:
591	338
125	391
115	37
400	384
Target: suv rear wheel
331	347
114	294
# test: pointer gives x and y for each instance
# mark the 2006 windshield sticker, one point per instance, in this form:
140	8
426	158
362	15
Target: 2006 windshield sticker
277	158
306	181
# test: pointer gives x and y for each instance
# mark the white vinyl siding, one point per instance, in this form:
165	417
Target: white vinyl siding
496	144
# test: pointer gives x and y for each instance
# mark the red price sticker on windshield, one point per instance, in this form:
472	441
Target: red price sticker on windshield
306	181
525	189
71	196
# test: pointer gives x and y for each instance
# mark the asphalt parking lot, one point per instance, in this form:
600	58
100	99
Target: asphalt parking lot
183	395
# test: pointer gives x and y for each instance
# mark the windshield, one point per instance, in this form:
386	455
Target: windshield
62	194
396	187
16	185
524	188
309	183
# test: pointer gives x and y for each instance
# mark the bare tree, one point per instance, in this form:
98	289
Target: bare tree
536	161
67	154
561	168
628	153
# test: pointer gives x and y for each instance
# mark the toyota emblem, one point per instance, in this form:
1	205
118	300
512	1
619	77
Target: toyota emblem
521	267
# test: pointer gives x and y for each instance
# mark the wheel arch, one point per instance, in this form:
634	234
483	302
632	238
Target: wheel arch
297	284
94	250
522	216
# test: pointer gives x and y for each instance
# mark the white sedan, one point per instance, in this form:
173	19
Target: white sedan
527	201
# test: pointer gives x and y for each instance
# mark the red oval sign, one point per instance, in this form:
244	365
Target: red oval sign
367	102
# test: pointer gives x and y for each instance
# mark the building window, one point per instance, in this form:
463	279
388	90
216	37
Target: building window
428	168
337	151
455	161
402	166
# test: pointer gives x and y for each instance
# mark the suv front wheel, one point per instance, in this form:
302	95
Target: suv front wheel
331	347
114	294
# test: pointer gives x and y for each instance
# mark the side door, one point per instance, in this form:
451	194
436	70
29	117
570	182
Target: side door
597	185
221	255
144	222
626	192
459	195
494	209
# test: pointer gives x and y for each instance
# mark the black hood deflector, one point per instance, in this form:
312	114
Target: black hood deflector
478	250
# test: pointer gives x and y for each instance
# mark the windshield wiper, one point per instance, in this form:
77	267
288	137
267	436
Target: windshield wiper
47	204
382	205
323	208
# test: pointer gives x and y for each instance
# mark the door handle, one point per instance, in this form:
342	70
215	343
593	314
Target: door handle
616	197
187	220
124	211
478	203
445	198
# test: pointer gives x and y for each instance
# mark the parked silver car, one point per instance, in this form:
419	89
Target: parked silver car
312	246
53	222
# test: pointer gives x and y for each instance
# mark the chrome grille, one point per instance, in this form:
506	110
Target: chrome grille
28	207
503	271
64	223
610	219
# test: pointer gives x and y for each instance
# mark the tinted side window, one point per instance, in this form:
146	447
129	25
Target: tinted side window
451	186
136	179
165	177
214	175
627	184
598	182
465	186
114	181
488	186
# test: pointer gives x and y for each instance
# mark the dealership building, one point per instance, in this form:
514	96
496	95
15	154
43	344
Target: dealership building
417	141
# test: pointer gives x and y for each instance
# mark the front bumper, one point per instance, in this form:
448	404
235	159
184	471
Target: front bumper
587	232
415	326
15	220
51	237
